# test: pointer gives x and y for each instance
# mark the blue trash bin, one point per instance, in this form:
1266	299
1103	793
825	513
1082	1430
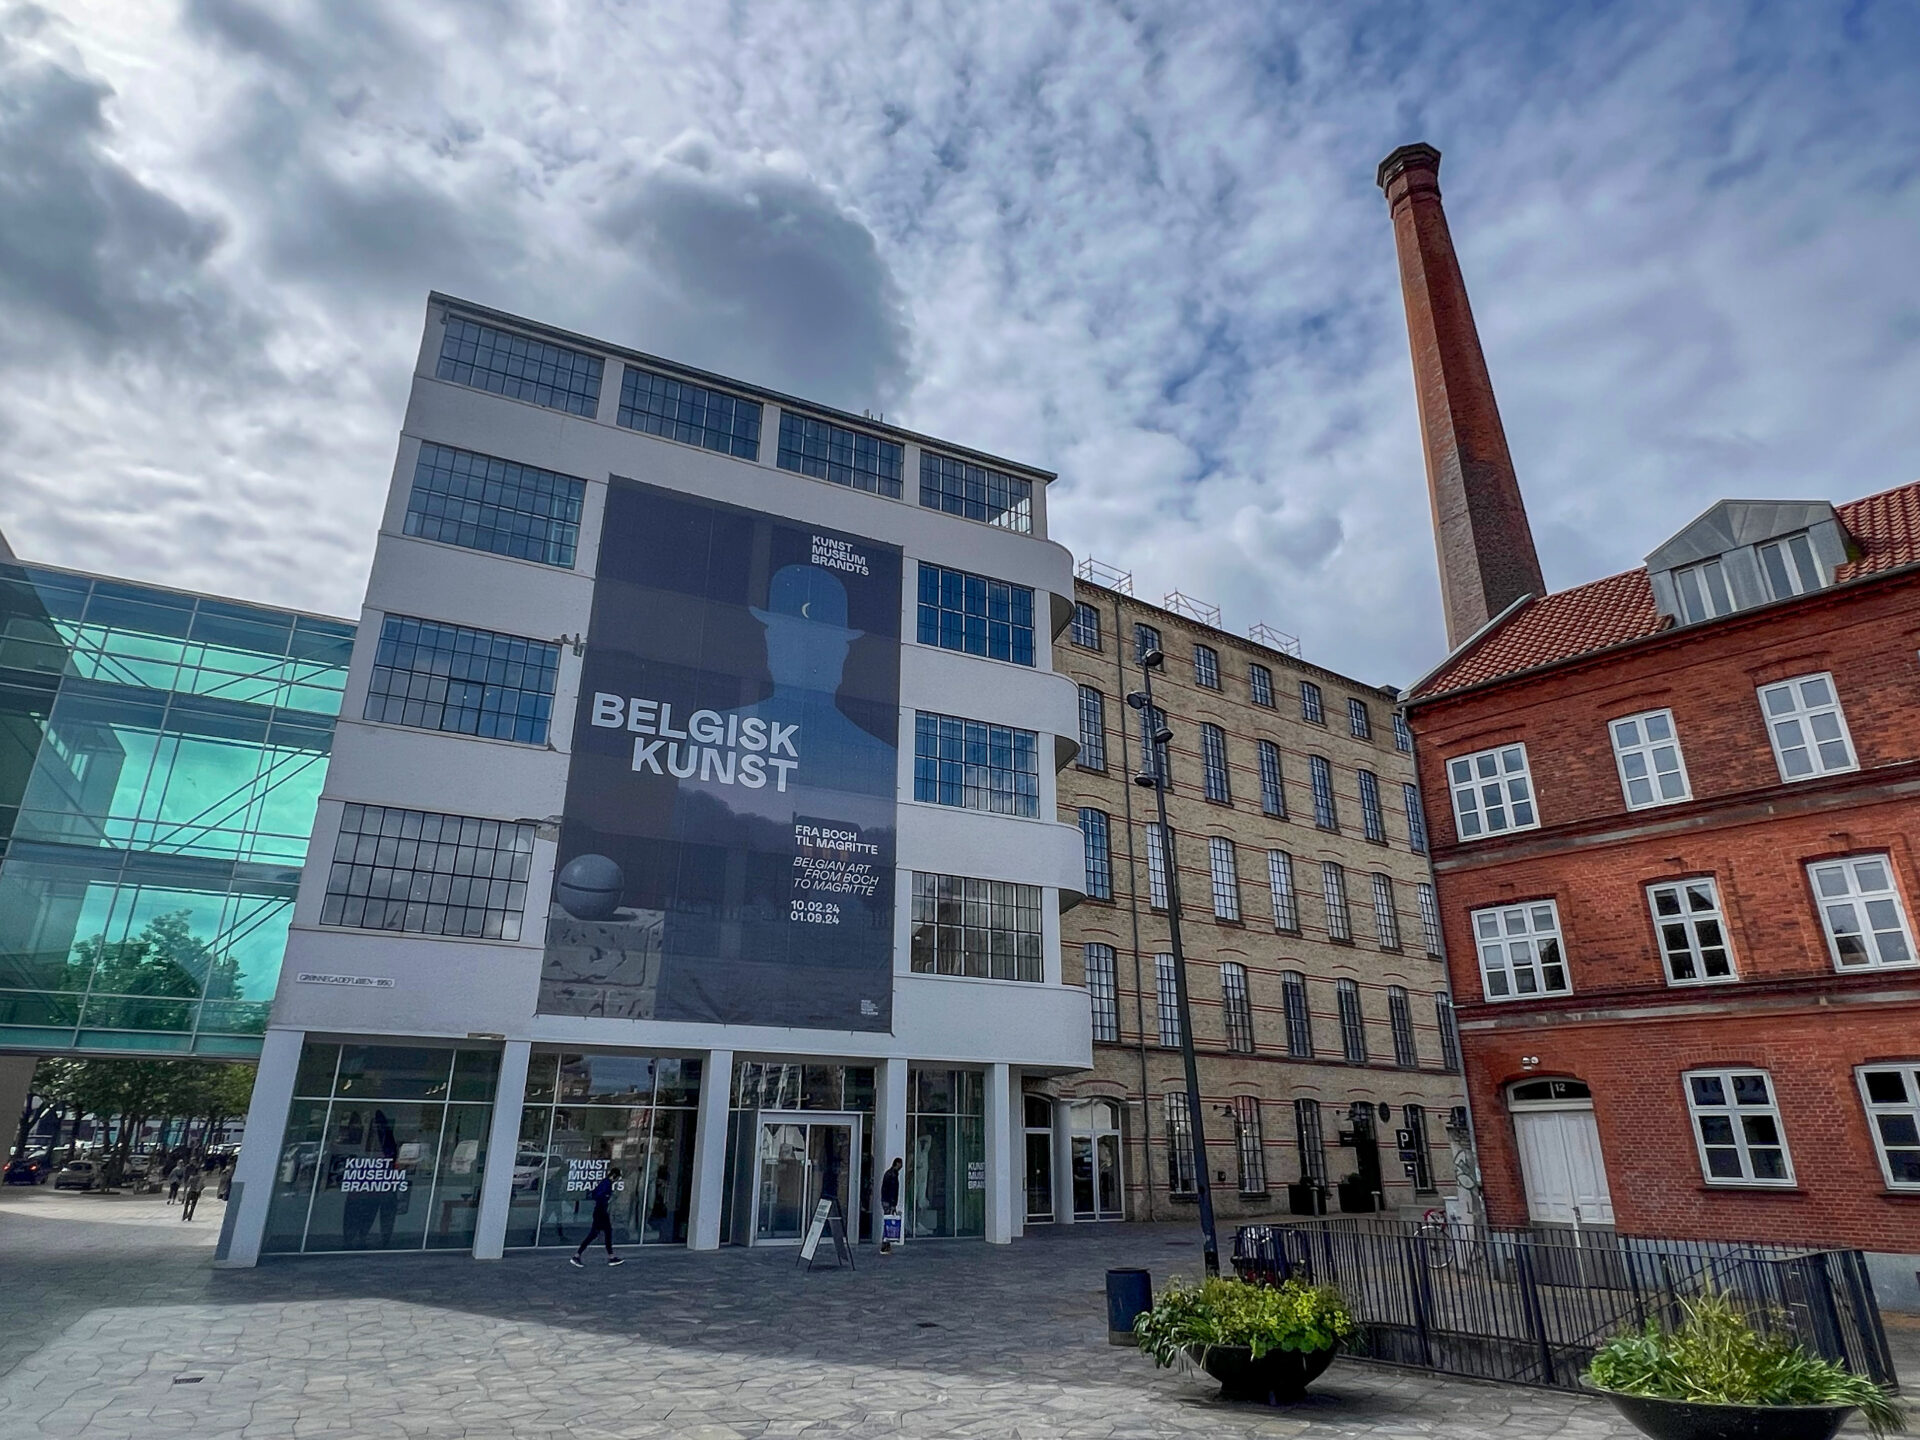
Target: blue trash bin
1129	1295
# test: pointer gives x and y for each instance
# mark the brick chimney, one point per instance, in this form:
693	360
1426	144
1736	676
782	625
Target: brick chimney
1487	560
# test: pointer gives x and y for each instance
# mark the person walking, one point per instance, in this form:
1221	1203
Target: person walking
173	1182
890	1203
196	1182
602	1227
226	1178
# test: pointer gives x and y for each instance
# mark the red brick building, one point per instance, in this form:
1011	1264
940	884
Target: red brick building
1675	817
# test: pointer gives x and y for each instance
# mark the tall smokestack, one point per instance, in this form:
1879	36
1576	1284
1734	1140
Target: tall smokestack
1487	560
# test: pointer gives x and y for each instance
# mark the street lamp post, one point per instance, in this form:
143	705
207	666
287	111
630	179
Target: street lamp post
1153	777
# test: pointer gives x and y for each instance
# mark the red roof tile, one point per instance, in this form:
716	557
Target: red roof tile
1590	617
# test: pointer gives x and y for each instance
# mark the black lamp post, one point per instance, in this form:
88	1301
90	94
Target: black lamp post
1153	777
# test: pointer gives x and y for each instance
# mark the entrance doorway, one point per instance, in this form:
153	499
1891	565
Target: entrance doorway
1098	1185
1560	1159
800	1159
1039	1116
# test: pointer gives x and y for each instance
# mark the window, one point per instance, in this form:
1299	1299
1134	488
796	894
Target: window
519	368
1180	1179
1416	819
975	615
691	414
1094	836
1145	639
1892	1097
1359	722
959	487
1085	631
1429	919
1492	792
1648	755
428	874
1101	986
1861	912
1249	1145
1371	819
1153	721
1093	729
1449	1026
1310	1139
1286	904
1402	735
1333	887
1520	951
481	503
1226	878
1293	1000
975	766
1321	770
846	457
1260	685
1213	763
1703	591
1405	1054
1422	1160
1206	666
463	681
1311	709
1386	920
1808	731
1693	935
1273	797
1157	868
1166	988
1738	1128
1236	1007
989	929
1353	1026
1789	565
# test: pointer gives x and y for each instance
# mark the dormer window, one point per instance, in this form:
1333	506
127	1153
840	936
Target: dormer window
1789	565
1703	591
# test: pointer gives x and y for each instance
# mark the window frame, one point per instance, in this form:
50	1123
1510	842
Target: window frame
1402	733
1538	967
1181	1161
1733	1111
1216	779
949	614
1236	1007
1206	667
1406	1049
1297	1010
1794	573
1688	921
1310	1141
967	916
1909	1071
1223	867
1273	790
1359	719
1373	819
1017	794
1448	1024
1337	900
1386	914
1313	707
1141	630
1249	1143
1076	631
1503	779
1106	996
1093	730
1159	892
1283	889
1856	895
1326	805
1353	1022
1693	589
1806	715
1647	750
1166	1000
1418	840
1097	851
1260	684
1431	935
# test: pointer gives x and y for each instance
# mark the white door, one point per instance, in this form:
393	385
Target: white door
1565	1174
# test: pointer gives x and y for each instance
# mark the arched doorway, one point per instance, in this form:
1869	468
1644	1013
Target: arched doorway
1560	1159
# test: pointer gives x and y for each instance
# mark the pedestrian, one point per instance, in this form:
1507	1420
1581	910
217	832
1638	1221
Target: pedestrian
173	1182
602	1227
196	1182
890	1204
226	1178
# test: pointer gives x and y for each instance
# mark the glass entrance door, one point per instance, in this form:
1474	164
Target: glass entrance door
802	1159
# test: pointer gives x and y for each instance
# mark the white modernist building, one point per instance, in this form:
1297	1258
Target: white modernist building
691	814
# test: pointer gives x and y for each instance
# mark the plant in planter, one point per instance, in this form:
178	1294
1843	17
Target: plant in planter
1715	1378
1265	1343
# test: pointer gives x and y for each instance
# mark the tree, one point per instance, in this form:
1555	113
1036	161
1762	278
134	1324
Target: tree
149	981
128	1093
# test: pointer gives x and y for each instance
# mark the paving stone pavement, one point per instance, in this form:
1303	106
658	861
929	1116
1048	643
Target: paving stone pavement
113	1325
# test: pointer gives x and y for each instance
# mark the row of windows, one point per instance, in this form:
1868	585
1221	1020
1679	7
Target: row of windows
1236	1002
1493	790
975	615
989	929
1223	864
521	368
1522	953
1249	1143
1086	633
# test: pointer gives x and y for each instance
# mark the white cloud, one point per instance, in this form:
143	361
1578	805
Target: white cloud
1141	247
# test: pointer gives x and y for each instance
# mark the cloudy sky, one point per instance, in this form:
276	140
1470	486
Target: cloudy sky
1137	243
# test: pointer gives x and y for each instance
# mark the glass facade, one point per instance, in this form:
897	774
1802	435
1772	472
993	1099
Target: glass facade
959	488
482	503
691	414
946	1190
786	1144
384	1149
519	367
587	1115
161	755
846	457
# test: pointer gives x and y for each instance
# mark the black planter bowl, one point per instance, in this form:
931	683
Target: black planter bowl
1688	1420
1276	1378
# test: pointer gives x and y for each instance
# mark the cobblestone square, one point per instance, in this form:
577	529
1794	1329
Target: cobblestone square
113	1325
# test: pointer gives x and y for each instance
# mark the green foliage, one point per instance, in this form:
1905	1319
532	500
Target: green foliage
1292	1316
1716	1357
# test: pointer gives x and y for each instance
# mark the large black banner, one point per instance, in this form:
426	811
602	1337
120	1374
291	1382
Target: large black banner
726	851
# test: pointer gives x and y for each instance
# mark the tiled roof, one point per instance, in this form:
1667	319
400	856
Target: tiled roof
1885	528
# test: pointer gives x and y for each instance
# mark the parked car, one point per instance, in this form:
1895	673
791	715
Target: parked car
80	1175
25	1170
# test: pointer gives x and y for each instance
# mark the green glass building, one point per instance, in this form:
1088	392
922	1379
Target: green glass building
161	755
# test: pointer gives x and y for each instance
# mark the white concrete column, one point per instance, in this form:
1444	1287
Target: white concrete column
1017	1122
503	1151
16	1084
999	1156
889	1129
710	1150
259	1158
1063	1162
